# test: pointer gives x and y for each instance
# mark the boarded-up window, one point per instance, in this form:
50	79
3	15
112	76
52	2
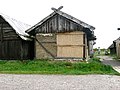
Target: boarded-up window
70	44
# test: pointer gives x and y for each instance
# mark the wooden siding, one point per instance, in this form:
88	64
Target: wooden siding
11	45
70	45
7	32
118	48
57	24
71	38
10	49
16	49
27	50
61	14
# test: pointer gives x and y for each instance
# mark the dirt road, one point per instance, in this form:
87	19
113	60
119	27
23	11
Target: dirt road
110	61
59	82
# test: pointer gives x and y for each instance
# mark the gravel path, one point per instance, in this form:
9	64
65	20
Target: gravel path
109	61
59	82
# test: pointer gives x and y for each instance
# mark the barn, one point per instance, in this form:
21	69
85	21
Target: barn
62	36
14	42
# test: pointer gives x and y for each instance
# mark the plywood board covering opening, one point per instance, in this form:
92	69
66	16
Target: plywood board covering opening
70	44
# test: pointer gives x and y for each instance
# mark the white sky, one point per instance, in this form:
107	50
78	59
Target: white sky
104	15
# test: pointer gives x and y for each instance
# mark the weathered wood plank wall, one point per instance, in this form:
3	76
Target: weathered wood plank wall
58	24
11	45
10	49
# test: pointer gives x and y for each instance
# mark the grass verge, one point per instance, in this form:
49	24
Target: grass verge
94	66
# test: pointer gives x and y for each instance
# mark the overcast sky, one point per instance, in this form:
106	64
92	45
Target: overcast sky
104	15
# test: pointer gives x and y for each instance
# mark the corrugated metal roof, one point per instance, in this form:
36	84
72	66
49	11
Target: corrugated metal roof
64	15
18	26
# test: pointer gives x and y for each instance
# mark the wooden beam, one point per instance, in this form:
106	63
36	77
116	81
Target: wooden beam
54	9
84	51
118	28
1	32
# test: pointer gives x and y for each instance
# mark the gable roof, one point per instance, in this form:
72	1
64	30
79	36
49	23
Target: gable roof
64	15
18	26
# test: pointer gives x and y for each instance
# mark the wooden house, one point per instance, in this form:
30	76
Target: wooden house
118	47
14	42
115	47
60	35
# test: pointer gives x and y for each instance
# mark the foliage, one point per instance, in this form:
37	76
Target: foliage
96	49
94	66
102	52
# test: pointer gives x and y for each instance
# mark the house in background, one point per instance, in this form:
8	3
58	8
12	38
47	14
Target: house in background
112	48
117	44
115	47
14	42
60	35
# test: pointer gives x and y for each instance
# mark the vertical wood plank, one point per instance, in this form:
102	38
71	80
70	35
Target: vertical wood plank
1	33
57	26
84	52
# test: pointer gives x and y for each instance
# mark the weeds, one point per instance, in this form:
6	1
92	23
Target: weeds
94	66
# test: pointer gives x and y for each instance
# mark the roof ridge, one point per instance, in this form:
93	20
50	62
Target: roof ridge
64	15
14	19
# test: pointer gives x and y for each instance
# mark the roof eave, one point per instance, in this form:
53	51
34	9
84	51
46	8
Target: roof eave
12	22
39	23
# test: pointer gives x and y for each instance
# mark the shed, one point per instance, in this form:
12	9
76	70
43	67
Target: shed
14	42
60	35
112	48
117	46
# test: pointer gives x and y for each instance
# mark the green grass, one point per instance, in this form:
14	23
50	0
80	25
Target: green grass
94	66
